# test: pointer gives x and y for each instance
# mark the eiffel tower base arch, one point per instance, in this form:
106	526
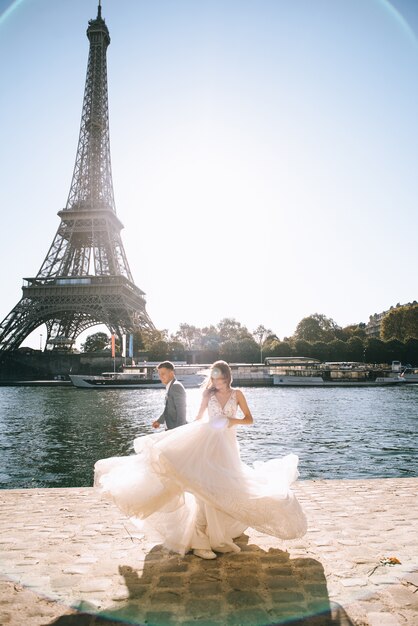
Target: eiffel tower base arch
69	306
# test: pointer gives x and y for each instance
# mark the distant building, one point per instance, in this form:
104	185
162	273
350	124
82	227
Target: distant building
374	324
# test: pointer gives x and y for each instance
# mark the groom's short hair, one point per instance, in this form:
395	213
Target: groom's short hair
167	364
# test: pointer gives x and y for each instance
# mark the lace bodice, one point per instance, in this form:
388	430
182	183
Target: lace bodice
216	411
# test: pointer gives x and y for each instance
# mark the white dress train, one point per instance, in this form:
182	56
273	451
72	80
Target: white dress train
188	488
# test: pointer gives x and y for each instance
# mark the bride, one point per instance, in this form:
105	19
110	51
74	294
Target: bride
189	488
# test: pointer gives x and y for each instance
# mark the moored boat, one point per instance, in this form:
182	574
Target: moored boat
304	372
410	374
140	376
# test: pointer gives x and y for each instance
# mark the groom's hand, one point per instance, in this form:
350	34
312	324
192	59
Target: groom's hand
156	424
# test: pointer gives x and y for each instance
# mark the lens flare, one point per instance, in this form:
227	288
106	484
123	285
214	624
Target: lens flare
9	10
400	20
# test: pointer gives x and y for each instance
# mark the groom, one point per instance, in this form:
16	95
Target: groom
174	413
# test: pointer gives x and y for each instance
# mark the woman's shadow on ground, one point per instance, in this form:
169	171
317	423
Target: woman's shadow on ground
254	588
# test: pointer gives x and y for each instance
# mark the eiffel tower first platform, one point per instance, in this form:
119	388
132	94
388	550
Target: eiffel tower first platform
85	278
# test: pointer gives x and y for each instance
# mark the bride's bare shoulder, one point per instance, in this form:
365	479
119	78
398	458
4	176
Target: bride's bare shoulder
239	395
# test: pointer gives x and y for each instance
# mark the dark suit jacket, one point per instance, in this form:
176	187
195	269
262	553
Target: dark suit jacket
174	413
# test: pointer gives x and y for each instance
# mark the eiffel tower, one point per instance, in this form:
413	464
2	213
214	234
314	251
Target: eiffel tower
85	278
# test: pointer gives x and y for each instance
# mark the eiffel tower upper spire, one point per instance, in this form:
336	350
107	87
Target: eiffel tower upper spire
85	278
88	239
92	186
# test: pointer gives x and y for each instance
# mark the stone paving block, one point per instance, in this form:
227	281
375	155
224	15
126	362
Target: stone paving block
281	582
241	583
165	597
286	597
270	560
243	598
249	617
157	618
403	596
314	590
175	567
411	578
354	582
384	580
290	612
206	589
208	608
382	619
92	586
274	570
171	581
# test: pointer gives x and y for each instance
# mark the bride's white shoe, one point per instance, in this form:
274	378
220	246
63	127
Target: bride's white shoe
205	554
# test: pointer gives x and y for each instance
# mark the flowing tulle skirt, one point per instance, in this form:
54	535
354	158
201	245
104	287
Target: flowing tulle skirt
195	470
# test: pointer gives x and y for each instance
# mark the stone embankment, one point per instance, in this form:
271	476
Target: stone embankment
70	559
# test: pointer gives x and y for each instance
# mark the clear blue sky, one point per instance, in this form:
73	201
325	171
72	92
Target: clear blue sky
264	152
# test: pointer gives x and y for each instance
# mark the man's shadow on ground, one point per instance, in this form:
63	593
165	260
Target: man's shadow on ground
254	588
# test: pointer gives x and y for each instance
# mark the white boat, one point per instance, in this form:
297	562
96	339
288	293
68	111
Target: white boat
312	373
407	372
410	374
140	376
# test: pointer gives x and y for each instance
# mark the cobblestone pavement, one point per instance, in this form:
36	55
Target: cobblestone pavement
71	559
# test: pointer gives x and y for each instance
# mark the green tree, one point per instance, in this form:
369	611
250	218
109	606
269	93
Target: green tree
353	330
320	351
411	352
229	328
188	335
401	323
355	349
337	350
394	351
243	350
302	348
159	350
374	351
316	327
207	355
138	341
209	338
278	348
96	342
176	351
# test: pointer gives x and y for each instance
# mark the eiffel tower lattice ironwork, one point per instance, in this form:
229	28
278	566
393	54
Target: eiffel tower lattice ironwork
85	278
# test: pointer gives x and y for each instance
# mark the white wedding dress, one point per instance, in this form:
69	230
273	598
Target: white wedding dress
188	488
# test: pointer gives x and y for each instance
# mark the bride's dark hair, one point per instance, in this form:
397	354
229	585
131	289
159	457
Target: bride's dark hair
219	368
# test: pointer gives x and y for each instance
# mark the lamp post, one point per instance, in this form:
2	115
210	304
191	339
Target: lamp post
40	342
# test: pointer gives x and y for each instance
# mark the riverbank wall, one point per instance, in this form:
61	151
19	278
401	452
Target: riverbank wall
70	558
36	365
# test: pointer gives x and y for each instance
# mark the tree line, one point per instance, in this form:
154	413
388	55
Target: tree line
316	336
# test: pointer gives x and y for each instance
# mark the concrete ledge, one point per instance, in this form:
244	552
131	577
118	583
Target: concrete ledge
68	558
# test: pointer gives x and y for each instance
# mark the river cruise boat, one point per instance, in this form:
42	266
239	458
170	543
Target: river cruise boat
306	372
140	376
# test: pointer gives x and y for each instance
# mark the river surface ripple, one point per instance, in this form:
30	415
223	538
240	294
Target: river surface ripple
51	437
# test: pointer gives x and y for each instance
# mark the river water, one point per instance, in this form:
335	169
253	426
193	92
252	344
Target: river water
51	437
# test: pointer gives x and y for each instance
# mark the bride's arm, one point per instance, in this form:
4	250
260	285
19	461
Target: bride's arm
203	406
242	403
